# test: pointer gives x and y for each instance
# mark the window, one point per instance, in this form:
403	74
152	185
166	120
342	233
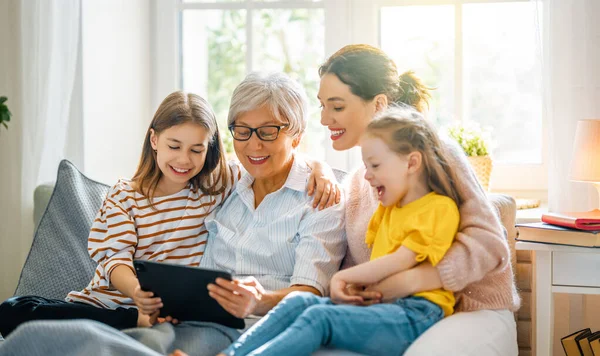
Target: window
499	68
482	56
484	59
222	41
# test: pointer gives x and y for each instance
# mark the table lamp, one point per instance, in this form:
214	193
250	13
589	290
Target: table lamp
585	165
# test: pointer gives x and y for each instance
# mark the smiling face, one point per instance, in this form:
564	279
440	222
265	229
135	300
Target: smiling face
346	115
180	154
387	171
265	159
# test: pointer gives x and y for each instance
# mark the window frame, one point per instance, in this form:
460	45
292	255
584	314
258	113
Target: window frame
346	21
526	179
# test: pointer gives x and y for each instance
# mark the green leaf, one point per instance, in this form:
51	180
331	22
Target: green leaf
5	125
3	99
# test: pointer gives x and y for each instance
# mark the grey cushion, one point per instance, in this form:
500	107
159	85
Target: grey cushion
58	261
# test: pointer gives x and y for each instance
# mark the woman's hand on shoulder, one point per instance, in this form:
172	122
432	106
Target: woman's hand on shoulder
324	186
240	298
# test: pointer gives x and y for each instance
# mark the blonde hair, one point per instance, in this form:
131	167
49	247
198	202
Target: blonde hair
176	109
368	71
405	130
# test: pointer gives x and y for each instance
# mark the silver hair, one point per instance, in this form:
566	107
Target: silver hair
285	98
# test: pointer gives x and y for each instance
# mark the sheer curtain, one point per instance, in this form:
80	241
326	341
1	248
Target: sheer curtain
47	45
570	38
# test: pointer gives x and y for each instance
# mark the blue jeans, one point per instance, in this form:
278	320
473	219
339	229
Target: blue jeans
302	322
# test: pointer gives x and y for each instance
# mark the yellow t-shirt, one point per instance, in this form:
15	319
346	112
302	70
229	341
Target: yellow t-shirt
426	226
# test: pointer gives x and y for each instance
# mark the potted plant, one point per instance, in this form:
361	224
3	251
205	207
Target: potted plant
4	112
476	143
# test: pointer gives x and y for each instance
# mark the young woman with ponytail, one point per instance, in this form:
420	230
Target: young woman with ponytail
357	82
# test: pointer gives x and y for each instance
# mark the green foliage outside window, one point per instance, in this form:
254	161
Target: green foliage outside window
4	112
227	48
473	140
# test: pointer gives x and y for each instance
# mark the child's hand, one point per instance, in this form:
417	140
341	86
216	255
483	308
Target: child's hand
145	302
168	319
339	293
369	296
146	321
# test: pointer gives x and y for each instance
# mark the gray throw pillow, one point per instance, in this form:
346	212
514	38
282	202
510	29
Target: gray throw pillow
58	261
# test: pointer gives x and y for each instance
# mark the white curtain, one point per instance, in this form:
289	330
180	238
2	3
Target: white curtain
50	47
570	38
570	48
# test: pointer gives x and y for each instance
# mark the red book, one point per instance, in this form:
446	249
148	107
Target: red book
587	220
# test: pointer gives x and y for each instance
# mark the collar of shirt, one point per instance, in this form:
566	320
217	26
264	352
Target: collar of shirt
296	180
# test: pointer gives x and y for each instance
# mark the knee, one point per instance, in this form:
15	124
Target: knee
9	306
18	304
301	298
11	312
319	313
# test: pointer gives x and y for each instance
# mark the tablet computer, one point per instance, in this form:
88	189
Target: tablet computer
183	292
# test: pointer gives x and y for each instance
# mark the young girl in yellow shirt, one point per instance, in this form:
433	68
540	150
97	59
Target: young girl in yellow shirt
416	221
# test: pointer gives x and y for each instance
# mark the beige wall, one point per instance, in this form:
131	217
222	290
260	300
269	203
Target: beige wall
12	240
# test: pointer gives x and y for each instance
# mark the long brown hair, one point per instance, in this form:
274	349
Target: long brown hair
176	109
368	71
405	130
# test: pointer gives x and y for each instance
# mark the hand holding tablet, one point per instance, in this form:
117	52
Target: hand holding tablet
183	292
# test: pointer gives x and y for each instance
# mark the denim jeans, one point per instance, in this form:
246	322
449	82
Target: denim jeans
303	322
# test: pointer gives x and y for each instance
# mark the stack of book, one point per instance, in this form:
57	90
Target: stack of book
574	229
582	343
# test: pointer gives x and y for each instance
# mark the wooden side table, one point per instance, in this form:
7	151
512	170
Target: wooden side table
559	269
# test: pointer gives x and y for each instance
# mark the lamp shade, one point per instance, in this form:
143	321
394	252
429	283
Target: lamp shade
585	164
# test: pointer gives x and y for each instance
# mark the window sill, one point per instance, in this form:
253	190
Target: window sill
531	215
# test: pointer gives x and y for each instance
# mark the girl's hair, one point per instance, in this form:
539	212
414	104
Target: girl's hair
368	71
176	109
405	130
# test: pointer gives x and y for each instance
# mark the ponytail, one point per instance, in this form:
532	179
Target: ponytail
412	91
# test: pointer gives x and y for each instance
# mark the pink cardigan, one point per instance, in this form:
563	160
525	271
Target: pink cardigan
477	266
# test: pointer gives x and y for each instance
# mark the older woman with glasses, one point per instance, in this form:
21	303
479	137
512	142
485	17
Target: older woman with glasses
267	232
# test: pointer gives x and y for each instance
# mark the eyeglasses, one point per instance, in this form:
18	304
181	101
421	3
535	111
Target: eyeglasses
264	133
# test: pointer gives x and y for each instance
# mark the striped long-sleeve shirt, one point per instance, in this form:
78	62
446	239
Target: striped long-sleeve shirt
127	228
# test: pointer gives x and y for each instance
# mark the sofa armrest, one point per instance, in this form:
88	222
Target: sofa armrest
506	208
41	197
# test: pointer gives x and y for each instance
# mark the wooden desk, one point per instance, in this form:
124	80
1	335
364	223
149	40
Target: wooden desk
559	269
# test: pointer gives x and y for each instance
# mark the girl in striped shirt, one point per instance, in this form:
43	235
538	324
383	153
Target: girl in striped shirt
158	216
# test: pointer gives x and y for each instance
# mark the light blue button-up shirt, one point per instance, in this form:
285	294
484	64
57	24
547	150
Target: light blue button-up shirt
284	241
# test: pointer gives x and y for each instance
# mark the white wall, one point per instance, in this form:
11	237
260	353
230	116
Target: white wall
11	253
116	85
